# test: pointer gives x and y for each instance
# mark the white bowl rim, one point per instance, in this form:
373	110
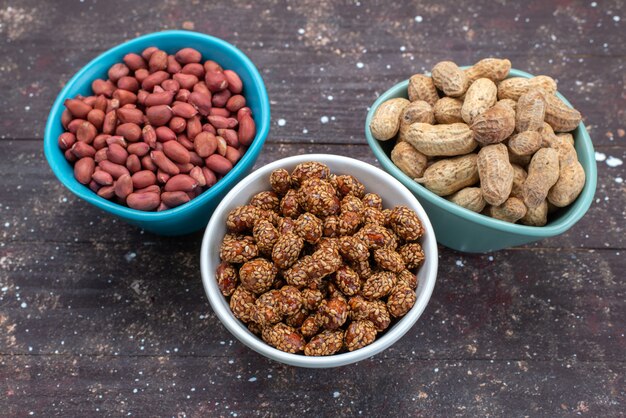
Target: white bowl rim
390	337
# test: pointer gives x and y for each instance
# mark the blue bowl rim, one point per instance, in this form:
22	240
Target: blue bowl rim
576	211
51	146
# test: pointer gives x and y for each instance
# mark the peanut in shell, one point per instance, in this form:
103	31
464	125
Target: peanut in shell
447	176
496	173
441	140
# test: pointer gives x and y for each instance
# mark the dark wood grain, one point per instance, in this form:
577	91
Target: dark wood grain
99	318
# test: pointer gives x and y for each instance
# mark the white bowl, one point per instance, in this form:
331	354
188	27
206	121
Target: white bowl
375	180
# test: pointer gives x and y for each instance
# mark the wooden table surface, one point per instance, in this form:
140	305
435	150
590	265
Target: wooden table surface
98	317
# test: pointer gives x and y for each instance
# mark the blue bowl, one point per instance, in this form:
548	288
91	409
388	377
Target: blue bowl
195	214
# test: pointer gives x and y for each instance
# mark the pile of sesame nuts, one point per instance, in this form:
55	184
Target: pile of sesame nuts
316	265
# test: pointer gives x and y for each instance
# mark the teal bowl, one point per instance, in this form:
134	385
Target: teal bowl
195	214
463	230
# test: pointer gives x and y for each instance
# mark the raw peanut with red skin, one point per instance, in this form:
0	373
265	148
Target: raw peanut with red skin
194	127
86	132
117	71
128	83
96	118
141	74
215	81
84	169
359	334
222	146
134	61
209	176
205	144
201	101
188	55
117	154
74	124
123	186
126	115
159	99
157	61
124	97
139	149
247	130
173	66
230	136
162	177
197	175
174	199
218	164
102	178
233	155
176	152
104	87
82	149
182	95
159	115
171	85
153	79
195	69
235	103
180	182
107	192
100	155
143	178
235	84
150	189
227	280
178	124
143	201
184	110
220	99
133	164
164	163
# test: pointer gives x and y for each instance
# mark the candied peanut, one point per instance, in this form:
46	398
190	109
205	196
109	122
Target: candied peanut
280	180
349	185
347	281
309	227
227	280
333	313
405	277
242	304
287	250
311	298
412	254
257	275
297	319
308	170
310	326
238	250
378	285
242	218
290	300
401	300
265	235
373	201
405	223
325	343
289	206
353	249
267	308
266	200
351	203
389	260
284	338
359	334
